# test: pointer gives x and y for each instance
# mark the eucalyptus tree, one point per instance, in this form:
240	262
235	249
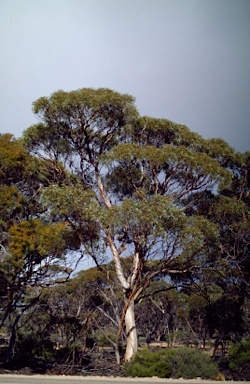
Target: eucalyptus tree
131	177
32	250
223	282
231	212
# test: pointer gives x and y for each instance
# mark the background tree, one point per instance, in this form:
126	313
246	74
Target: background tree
227	259
134	177
32	250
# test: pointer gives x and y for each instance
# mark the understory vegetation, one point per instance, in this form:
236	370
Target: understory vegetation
185	362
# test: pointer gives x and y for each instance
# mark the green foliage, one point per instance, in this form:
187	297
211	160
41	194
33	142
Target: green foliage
166	202
181	362
13	158
185	164
197	232
145	216
239	356
71	200
190	363
78	118
11	205
103	341
148	364
29	346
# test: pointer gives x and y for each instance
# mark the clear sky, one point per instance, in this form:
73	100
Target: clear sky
184	60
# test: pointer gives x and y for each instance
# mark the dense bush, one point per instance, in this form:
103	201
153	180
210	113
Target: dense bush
190	363
182	362
147	364
239	356
28	345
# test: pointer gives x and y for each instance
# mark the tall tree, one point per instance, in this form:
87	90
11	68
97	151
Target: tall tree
227	264
128	197
32	250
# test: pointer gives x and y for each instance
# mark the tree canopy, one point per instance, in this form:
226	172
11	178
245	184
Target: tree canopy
150	195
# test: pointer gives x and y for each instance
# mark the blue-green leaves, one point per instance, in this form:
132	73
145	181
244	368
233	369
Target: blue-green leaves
145	219
71	201
170	169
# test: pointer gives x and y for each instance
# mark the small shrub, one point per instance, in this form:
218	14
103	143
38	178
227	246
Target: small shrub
239	356
190	363
148	364
104	342
182	362
28	345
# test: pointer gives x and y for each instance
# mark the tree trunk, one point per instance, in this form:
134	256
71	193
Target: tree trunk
131	332
12	340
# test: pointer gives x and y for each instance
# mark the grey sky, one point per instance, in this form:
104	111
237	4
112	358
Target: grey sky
185	60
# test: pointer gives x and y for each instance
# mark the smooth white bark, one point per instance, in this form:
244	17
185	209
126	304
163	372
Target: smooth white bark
131	332
118	266
127	285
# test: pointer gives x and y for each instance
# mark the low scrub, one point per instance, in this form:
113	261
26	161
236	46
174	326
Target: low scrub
239	358
190	363
181	362
147	364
